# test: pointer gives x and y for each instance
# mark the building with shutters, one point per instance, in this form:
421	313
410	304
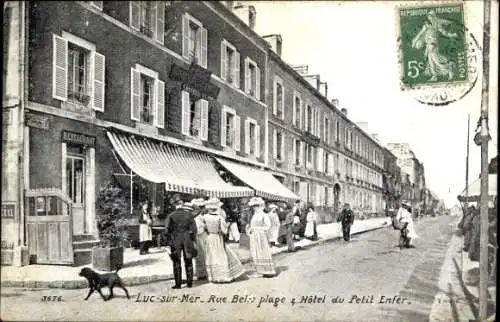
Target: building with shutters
166	97
320	153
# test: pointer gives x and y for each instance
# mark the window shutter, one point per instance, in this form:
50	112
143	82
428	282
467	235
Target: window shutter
275	145
99	72
330	197
135	91
275	98
257	141
236	76
257	81
135	12
301	115
302	153
185	113
306	117
197	116
330	163
294	112
247	137
204	120
248	86
204	39
237	133
160	21
294	151
185	36
321	155
282	102
223	120
60	69
223	60
282	147
160	104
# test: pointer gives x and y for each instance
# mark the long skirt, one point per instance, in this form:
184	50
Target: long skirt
310	228
273	233
222	265
234	233
261	253
145	233
201	269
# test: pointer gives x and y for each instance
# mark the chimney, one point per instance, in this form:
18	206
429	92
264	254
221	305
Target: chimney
335	102
313	80
323	88
275	41
375	137
246	13
344	111
301	69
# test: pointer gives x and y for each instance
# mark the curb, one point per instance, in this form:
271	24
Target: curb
141	280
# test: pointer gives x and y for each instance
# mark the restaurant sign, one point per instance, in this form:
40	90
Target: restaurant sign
78	138
195	80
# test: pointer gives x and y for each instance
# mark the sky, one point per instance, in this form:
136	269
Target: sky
353	46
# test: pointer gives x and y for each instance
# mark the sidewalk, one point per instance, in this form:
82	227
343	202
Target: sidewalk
156	266
458	282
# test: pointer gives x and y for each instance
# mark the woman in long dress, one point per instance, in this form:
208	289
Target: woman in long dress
259	244
273	232
145	229
201	238
312	219
222	264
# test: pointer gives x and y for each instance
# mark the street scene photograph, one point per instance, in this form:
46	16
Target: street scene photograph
249	160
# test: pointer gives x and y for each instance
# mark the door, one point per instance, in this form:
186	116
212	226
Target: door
49	229
75	188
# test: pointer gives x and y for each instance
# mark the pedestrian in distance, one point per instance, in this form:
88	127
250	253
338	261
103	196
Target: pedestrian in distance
145	228
233	214
259	244
286	226
275	224
405	218
297	225
312	219
346	218
221	262
181	231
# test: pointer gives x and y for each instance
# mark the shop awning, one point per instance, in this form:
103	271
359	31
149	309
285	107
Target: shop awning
263	182
475	189
181	170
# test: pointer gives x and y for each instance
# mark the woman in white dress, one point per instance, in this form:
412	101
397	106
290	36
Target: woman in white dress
273	232
222	264
311	219
259	244
145	229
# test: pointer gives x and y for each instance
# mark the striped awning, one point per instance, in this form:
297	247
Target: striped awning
263	182
181	170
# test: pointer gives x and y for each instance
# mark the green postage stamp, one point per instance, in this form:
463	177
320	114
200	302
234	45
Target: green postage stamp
436	50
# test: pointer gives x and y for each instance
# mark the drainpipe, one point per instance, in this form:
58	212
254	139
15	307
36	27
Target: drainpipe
23	23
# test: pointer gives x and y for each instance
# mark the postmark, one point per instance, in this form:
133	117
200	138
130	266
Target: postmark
439	58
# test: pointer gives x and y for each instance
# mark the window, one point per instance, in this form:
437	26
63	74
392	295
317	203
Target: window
194	40
194	116
278	98
148	17
337	133
75	177
350	140
148	97
310	118
78	72
326	130
297	110
326	165
252	137
310	151
252	78
231	129
278	145
326	199
230	64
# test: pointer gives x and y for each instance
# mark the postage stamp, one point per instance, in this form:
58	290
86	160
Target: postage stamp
438	56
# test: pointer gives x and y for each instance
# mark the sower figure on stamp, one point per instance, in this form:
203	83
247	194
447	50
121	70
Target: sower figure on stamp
180	230
346	217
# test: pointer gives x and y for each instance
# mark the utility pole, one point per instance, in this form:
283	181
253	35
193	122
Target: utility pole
466	202
483	241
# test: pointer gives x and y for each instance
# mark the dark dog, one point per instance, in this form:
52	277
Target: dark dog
98	281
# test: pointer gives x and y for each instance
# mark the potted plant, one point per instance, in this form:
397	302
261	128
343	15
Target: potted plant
112	210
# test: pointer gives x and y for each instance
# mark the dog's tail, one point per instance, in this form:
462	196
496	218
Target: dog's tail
118	268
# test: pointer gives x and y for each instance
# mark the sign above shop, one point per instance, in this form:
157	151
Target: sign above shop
195	80
78	138
8	210
38	121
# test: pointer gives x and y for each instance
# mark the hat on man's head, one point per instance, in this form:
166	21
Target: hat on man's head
176	199
272	206
256	201
213	203
198	202
405	203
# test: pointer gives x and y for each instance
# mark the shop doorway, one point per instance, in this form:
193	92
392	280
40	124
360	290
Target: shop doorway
75	188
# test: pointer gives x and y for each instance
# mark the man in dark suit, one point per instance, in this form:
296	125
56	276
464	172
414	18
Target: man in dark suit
286	214
180	230
346	217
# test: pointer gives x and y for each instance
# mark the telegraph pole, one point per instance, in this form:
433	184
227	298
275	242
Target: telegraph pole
483	241
466	202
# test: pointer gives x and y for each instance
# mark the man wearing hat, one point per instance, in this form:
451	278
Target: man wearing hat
180	230
346	217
